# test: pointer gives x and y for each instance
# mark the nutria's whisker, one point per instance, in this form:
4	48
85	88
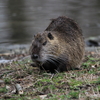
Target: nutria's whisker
57	60
52	61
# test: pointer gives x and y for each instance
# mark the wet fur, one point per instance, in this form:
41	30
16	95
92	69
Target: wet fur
65	51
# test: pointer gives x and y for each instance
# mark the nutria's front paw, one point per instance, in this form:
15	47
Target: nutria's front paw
33	65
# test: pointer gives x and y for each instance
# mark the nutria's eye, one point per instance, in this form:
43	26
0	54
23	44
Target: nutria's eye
50	36
44	43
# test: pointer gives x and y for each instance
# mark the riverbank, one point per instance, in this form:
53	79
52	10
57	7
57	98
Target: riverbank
20	81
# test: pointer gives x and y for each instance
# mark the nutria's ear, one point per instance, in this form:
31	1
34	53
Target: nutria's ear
50	36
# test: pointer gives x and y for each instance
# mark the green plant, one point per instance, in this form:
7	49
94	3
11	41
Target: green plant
75	83
7	80
3	89
73	95
96	81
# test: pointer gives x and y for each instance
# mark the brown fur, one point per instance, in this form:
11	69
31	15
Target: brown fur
64	48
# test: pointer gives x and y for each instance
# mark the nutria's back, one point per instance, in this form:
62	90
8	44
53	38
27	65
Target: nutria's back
64	25
60	47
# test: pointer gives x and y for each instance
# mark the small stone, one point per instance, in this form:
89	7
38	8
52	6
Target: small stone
93	66
43	96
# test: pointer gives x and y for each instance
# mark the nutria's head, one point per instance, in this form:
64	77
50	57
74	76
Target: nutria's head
44	48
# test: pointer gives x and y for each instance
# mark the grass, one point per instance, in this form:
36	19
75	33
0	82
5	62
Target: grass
7	80
3	90
81	84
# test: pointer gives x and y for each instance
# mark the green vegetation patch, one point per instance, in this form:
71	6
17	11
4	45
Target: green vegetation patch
3	90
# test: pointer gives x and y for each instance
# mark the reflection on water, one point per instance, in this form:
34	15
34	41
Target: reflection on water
21	19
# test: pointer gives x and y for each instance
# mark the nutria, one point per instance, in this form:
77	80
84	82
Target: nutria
60	47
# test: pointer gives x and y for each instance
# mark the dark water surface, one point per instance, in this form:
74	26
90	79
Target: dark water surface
21	19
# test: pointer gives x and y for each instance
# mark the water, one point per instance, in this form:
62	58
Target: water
21	19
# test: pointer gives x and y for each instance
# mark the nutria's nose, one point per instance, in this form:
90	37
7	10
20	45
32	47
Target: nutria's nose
34	56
